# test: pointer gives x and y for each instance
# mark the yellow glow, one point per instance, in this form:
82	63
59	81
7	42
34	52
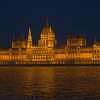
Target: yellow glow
23	51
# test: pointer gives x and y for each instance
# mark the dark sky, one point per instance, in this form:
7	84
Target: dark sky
66	16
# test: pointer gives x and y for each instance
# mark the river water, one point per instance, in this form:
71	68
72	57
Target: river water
50	83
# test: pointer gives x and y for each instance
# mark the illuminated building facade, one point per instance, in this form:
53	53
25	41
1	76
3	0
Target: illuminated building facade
75	51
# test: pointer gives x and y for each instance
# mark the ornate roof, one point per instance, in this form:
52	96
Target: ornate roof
47	30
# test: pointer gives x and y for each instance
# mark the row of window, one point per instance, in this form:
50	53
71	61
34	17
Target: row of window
42	57
6	57
39	52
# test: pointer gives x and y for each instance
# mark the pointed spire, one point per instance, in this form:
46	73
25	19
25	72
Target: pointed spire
50	28
29	29
29	41
29	35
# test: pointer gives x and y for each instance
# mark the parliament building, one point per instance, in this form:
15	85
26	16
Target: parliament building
75	51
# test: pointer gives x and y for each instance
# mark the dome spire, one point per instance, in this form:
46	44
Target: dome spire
47	23
95	40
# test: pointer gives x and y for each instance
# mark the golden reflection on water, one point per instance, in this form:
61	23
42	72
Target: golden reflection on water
50	83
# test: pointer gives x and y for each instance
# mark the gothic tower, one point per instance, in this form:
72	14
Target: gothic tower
29	39
47	37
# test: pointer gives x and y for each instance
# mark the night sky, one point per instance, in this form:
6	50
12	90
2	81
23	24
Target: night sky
66	16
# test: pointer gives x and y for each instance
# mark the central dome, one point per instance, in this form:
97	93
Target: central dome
47	30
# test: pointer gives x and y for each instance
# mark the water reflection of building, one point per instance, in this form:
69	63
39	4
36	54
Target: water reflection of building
75	51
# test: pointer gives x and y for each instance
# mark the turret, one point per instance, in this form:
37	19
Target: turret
29	39
47	37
